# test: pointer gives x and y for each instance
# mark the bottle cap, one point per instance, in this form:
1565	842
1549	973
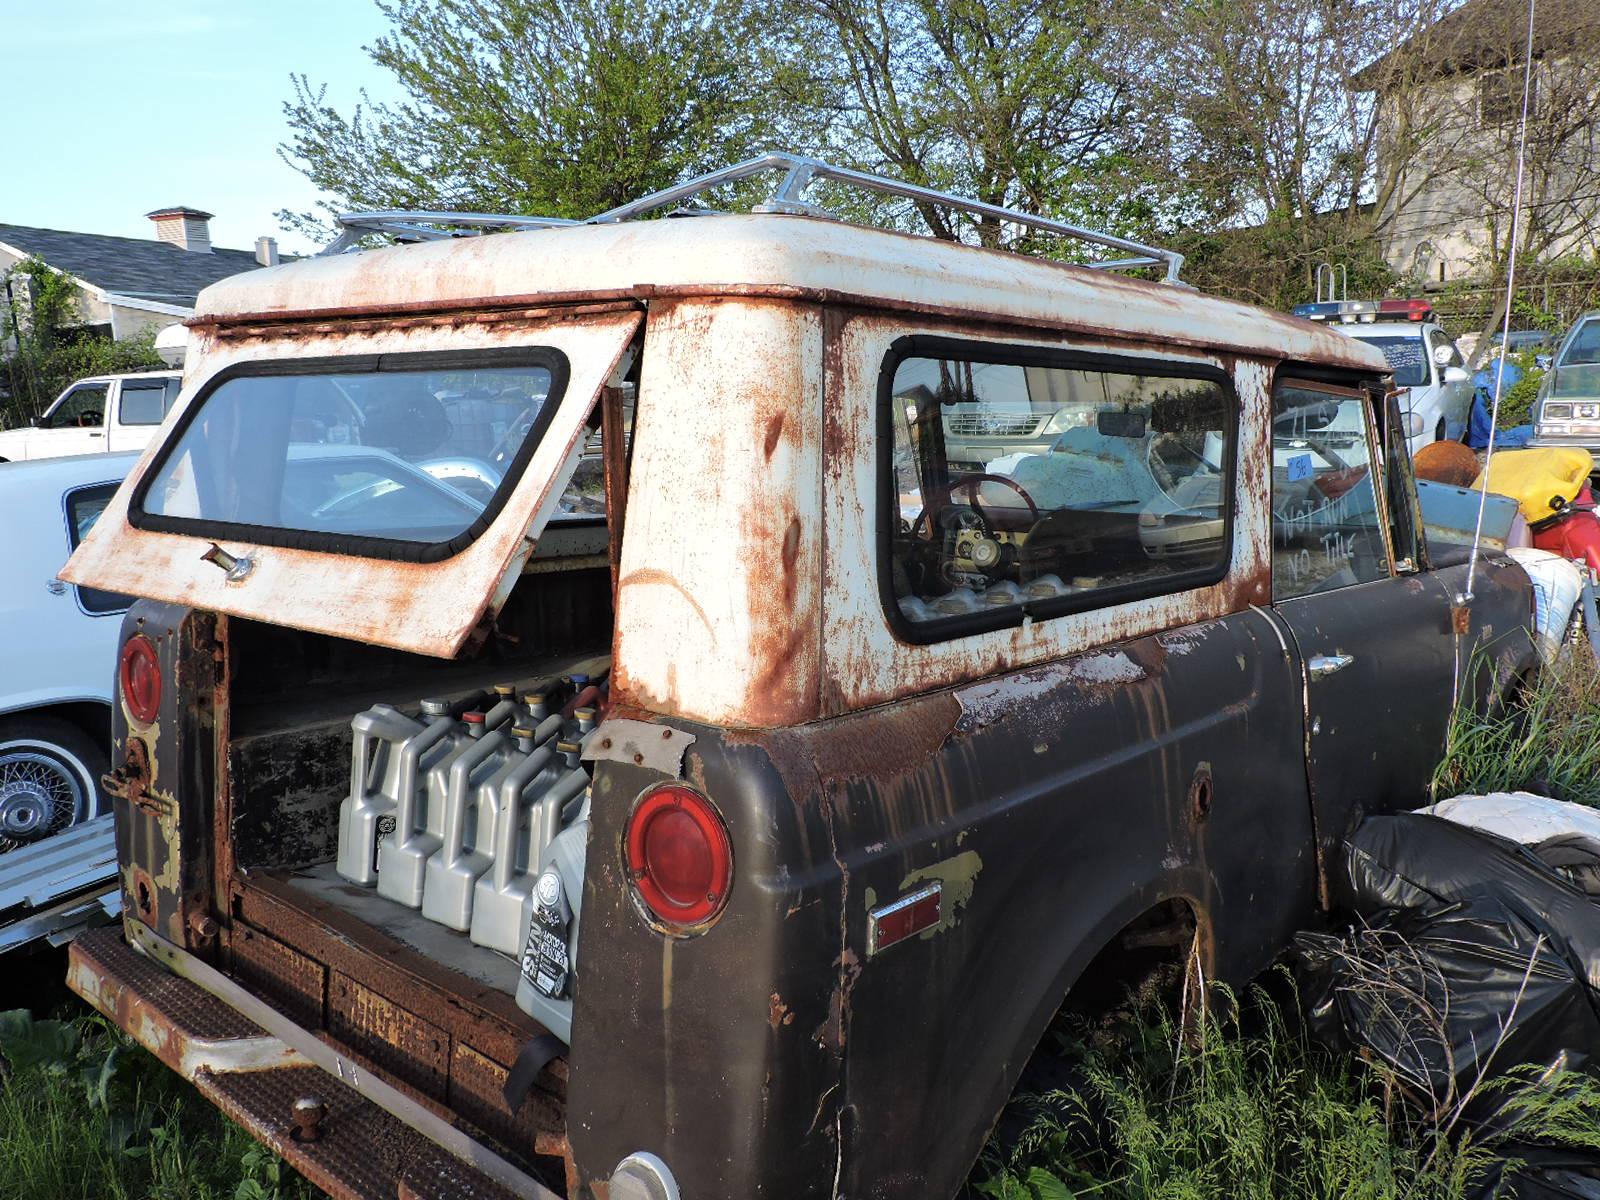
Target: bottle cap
504	689
434	707
472	718
521	731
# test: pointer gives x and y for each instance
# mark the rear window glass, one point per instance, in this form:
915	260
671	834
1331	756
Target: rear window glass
400	455
1408	358
146	401
1038	489
84	507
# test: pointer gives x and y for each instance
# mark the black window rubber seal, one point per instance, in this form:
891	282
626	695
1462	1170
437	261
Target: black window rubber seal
361	545
944	629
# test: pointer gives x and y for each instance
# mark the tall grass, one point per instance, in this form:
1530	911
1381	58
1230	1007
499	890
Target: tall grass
85	1113
1546	740
1247	1107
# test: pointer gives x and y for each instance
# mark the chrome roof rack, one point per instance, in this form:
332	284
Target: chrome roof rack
800	172
422	225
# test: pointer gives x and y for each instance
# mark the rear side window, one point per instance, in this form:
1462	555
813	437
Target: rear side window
84	506
146	401
404	456
1022	483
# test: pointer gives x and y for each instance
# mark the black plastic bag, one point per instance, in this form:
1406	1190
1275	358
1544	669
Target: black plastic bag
1472	956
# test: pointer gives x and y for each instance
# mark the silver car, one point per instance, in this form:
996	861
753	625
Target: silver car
1567	412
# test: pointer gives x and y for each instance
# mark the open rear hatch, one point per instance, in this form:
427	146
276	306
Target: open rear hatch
372	512
357	479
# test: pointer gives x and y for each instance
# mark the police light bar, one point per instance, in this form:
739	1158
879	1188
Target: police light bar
1406	310
1364	312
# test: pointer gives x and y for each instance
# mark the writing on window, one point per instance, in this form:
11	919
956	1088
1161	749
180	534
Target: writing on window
1326	532
1031	489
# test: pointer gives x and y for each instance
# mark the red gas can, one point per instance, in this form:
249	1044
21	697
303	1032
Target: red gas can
1577	535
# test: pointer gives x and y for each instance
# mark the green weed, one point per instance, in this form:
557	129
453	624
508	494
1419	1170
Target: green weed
1547	740
1245	1105
86	1113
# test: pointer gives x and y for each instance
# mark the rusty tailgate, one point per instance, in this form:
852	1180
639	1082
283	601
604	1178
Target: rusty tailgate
425	607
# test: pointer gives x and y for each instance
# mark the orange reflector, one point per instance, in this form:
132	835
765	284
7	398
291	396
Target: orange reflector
910	914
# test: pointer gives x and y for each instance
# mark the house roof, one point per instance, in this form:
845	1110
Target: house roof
1482	35
134	267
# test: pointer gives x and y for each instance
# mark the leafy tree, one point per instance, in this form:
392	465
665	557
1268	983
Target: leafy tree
48	347
550	107
1031	104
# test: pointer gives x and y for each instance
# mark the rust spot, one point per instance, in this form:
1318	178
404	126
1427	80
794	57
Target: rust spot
791	547
774	433
778	1013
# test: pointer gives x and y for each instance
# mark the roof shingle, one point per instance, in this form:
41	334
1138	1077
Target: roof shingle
146	270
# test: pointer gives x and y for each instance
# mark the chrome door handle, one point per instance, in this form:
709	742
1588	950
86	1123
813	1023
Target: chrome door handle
1323	665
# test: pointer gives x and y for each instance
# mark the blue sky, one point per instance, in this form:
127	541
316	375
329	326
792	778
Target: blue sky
112	108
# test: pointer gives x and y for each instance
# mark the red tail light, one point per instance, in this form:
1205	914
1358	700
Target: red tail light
679	857
139	676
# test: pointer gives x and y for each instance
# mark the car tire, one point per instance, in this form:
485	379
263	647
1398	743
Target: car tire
49	778
1439	431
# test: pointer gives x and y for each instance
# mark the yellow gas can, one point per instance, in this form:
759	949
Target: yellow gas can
1540	481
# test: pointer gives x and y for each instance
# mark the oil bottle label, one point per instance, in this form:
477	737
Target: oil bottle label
544	960
385	829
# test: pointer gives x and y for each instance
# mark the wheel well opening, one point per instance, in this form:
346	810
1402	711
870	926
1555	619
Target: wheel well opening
1148	952
90	717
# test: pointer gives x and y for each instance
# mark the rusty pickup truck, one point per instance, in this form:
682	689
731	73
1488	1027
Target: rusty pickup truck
674	708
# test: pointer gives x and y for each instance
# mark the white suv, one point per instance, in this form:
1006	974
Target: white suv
104	414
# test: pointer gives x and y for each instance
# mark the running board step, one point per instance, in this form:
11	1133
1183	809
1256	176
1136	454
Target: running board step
374	1143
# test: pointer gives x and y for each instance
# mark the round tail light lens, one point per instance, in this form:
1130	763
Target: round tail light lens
679	856
139	675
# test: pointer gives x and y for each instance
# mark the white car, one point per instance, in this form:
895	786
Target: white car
59	652
1436	393
106	414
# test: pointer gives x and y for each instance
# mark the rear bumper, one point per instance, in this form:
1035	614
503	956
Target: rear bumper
364	1151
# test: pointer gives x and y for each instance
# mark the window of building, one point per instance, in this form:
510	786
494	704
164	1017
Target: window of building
1030	484
1500	97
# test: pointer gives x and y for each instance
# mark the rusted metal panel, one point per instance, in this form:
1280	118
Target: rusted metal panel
363	1153
1055	805
170	1017
409	1048
718	609
538	1127
431	608
293	982
463	1007
776	255
164	846
866	664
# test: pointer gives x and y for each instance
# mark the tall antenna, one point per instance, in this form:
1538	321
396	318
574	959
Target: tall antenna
1511	291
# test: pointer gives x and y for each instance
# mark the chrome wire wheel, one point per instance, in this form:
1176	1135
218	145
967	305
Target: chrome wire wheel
43	790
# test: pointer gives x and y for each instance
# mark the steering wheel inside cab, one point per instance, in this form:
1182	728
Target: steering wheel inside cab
960	539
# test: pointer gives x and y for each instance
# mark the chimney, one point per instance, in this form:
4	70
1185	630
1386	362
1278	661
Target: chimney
185	228
267	251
